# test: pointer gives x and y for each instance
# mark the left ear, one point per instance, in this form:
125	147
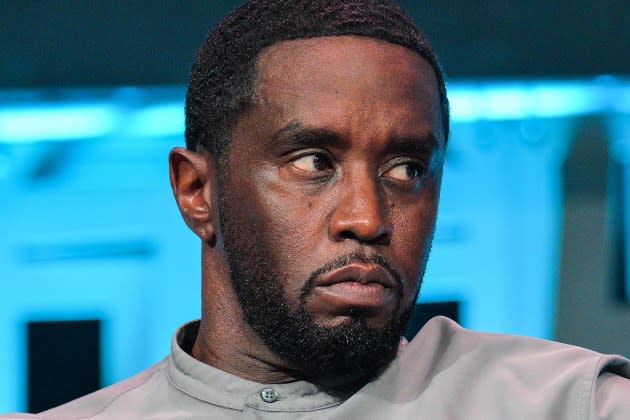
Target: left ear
192	178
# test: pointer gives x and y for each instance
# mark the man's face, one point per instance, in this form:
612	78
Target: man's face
328	200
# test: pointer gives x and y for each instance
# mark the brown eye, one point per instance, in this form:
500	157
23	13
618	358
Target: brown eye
404	172
316	162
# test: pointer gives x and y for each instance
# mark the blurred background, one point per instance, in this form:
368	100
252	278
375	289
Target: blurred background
97	269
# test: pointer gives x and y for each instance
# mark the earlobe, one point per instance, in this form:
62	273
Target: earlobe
192	178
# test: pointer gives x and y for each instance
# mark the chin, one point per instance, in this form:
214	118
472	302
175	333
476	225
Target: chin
343	352
364	316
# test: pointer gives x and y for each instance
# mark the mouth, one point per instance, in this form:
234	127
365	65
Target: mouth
363	274
357	285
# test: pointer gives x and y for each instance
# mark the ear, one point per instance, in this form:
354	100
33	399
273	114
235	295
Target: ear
193	178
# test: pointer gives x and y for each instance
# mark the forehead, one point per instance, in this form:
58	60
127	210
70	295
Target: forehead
358	55
348	80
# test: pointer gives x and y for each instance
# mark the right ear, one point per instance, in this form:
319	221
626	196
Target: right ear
192	178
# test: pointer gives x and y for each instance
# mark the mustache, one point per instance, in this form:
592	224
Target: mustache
355	257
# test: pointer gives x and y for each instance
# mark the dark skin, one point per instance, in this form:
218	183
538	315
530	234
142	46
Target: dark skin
341	152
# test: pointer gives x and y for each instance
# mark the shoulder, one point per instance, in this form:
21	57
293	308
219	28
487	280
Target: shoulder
91	405
525	355
516	372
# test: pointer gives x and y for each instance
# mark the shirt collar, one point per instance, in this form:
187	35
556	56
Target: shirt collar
223	389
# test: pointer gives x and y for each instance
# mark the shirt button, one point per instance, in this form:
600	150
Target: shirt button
269	395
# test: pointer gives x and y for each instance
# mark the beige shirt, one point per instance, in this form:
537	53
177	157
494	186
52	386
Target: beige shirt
446	372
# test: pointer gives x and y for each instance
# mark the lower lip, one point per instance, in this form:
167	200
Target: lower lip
350	293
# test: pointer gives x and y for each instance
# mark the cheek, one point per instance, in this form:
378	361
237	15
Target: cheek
413	233
291	228
293	222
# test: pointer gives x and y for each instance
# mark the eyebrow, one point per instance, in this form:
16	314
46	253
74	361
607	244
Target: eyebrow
296	134
425	144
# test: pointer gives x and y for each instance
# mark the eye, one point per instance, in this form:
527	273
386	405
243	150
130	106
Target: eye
313	163
405	172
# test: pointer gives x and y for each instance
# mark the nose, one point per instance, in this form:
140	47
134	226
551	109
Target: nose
360	213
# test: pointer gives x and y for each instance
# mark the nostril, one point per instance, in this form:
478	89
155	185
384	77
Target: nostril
379	236
348	234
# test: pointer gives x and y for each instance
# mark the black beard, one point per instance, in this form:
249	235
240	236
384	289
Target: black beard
340	358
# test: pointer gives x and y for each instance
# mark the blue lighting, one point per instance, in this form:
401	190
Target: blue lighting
622	104
158	121
470	102
55	122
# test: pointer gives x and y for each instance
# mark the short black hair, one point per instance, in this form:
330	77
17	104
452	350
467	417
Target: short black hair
223	77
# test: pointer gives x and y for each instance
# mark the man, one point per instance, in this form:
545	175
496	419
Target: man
316	133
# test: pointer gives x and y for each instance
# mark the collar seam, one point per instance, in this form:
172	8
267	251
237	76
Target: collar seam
294	410
196	396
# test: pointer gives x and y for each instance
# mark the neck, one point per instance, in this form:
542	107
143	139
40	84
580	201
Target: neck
225	340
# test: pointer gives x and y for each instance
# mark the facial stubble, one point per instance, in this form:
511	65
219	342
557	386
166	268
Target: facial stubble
341	357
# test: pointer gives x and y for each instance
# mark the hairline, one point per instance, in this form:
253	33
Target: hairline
254	67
